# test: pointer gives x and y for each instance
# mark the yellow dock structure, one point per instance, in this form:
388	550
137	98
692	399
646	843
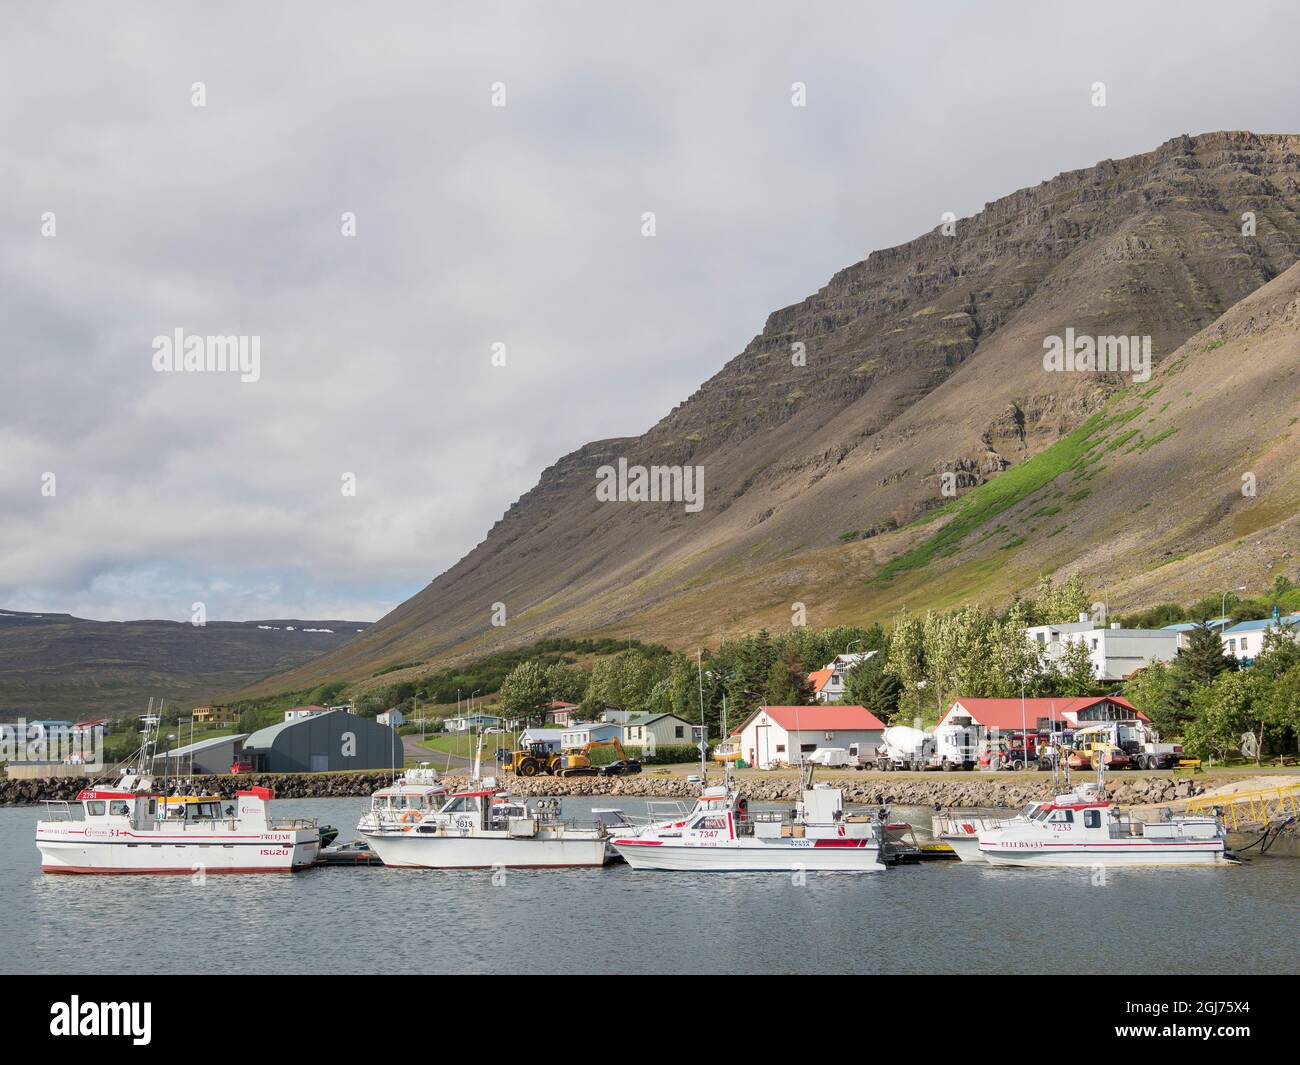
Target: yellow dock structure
1259	806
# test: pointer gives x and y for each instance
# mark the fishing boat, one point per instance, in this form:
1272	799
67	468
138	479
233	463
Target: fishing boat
1083	828
131	828
721	834
485	828
962	831
399	805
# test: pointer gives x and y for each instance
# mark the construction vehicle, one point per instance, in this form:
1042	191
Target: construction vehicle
531	761
578	763
1131	744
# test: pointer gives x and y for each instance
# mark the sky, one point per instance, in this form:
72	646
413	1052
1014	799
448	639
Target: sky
383	436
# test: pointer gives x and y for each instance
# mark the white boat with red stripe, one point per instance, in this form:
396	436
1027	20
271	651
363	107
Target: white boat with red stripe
721	834
1083	828
129	828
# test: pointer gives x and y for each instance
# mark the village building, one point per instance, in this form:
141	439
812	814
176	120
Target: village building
1245	640
472	723
393	718
1008	716
783	735
828	682
214	715
657	730
301	713
560	713
1115	653
576	736
325	742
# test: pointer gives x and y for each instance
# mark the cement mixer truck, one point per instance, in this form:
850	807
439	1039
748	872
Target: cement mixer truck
947	747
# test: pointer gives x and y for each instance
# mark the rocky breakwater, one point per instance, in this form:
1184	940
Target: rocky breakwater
962	791
946	790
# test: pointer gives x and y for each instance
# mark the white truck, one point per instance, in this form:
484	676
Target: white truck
947	747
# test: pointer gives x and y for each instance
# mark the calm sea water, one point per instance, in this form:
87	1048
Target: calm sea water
942	917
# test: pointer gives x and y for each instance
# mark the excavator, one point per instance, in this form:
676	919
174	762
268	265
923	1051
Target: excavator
578	763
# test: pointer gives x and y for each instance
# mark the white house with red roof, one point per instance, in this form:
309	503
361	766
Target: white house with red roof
1038	715
775	734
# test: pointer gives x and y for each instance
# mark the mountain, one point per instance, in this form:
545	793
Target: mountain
60	666
824	482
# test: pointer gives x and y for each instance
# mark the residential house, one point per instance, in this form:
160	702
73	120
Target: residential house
1184	627
549	737
657	730
214	715
472	723
827	683
393	718
580	735
560	713
301	713
1245	640
774	735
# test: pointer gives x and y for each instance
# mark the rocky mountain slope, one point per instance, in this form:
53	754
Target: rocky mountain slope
825	477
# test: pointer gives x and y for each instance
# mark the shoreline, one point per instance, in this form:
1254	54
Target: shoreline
964	790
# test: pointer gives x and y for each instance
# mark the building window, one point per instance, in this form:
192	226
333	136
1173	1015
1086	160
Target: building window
780	748
678	732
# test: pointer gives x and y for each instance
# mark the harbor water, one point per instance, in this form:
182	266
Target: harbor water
934	918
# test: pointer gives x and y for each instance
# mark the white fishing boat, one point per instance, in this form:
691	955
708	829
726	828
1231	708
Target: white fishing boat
1083	828
485	828
721	834
417	792
961	831
131	828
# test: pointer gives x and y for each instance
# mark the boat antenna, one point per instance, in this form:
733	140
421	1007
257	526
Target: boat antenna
704	728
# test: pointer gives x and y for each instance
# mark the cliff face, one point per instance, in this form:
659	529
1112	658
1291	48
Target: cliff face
922	361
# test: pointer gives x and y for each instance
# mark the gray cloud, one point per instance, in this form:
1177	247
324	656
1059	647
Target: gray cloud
476	225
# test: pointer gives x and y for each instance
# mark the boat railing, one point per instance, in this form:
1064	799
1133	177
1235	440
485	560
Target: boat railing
59	810
284	824
1126	829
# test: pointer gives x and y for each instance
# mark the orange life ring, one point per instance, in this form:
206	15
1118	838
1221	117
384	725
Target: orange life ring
410	815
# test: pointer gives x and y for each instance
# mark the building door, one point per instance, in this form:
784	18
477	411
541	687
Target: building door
320	763
761	741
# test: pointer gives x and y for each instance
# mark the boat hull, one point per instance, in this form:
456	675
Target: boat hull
751	856
408	850
967	848
1209	853
125	854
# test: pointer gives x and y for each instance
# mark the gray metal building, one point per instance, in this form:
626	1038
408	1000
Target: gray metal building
324	743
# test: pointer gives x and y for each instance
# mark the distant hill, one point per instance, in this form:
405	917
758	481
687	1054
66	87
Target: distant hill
57	665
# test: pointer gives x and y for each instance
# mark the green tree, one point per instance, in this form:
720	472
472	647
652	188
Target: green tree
1075	669
786	683
1224	714
566	683
523	692
870	684
1154	691
1200	661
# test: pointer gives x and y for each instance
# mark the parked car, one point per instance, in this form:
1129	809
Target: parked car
622	768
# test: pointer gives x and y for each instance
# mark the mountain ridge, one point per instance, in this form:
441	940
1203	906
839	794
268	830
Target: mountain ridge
923	360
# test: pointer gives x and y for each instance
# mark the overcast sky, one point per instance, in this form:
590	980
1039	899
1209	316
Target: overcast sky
475	225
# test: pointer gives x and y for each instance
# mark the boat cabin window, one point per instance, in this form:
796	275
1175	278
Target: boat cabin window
710	822
119	808
1092	819
205	811
459	805
1063	816
95	808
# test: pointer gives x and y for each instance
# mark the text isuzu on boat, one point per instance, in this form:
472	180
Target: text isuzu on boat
130	828
721	834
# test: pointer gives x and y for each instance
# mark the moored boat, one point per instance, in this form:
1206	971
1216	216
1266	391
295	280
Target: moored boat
416	792
484	828
720	834
130	828
1083	828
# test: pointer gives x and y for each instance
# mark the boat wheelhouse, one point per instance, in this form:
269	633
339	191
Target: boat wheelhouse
417	792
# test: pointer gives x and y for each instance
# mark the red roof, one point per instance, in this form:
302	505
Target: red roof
1006	713
556	704
818	679
816	718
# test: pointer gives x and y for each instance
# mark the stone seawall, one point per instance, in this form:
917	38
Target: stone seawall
948	790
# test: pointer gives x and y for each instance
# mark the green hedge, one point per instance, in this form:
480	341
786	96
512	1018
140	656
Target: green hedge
664	754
